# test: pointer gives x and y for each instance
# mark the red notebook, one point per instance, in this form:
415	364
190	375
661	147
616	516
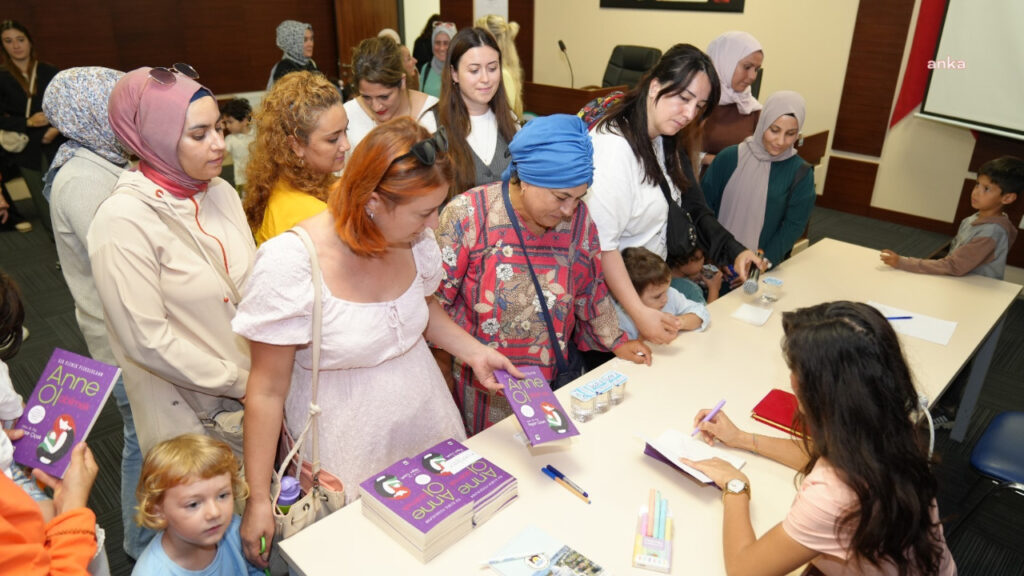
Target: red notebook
778	410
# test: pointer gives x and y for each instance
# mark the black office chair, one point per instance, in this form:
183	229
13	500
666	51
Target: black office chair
628	64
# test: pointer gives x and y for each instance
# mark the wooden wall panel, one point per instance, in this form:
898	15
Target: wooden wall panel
989	146
230	42
848	185
461	13
872	71
360	19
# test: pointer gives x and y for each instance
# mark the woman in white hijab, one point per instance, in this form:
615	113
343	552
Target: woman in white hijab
761	190
738	57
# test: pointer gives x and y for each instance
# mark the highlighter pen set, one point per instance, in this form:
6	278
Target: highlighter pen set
652	545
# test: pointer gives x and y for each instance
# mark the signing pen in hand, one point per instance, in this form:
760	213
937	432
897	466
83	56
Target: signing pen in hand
712	414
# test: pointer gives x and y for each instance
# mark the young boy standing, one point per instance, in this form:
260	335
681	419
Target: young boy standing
652	279
237	116
984	238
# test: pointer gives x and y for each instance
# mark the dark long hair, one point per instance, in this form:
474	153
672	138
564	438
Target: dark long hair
676	69
454	116
8	62
12	316
857	399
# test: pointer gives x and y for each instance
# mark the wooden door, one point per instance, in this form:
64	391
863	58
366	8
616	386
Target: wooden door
359	19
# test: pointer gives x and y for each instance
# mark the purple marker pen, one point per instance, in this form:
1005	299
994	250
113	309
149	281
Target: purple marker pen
710	415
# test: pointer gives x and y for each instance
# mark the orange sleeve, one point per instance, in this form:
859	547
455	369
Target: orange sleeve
65	546
959	262
71	541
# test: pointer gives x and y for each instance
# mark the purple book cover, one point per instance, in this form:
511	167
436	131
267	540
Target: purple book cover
62	409
463	472
413	495
539	413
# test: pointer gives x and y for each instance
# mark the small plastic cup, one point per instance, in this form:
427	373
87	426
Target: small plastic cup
583	403
771	289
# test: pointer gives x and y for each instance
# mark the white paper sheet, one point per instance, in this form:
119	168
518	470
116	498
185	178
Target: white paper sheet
918	325
756	315
674	445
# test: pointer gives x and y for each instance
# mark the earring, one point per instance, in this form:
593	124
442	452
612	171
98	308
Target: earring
369	213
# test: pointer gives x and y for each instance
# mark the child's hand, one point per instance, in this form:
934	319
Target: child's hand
689	322
715	282
889	257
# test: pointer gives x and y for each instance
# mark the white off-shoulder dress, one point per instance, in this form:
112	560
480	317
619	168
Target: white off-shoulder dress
381	394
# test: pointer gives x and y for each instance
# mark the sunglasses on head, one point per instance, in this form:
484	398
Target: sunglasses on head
166	76
425	151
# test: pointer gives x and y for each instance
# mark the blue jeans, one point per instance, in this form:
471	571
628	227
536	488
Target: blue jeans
136	538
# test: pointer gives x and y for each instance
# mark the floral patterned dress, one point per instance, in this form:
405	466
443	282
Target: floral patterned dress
487	289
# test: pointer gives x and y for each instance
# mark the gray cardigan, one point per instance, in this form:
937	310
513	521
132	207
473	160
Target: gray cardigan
78	189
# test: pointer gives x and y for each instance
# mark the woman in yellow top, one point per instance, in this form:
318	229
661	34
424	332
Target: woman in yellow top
300	144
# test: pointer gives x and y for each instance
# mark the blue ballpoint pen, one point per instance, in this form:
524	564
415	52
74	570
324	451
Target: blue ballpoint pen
574	485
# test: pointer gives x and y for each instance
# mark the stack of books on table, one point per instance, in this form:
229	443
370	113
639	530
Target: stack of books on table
429	501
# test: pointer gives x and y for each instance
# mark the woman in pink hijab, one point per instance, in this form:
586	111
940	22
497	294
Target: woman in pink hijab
170	250
738	57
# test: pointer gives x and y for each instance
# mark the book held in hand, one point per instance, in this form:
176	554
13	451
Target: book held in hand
538	410
62	410
673	445
778	409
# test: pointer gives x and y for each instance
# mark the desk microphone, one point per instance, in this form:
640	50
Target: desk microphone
572	78
750	286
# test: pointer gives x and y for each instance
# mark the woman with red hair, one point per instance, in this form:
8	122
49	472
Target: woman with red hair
380	389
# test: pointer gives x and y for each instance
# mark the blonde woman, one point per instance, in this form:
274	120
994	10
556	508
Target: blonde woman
511	72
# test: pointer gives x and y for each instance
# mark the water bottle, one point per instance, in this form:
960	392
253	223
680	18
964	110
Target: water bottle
290	493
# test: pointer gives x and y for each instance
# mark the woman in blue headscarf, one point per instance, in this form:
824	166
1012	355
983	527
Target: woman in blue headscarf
489	288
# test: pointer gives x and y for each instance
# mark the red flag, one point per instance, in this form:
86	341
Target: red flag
922	50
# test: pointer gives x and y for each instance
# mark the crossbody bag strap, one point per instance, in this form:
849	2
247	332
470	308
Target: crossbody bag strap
188	239
31	89
314	408
560	360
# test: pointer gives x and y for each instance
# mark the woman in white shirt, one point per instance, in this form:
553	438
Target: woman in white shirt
382	91
645	149
474	110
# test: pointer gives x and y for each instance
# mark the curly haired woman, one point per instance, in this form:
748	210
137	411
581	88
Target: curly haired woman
300	144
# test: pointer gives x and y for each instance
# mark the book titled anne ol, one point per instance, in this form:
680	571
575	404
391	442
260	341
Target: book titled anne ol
62	410
538	410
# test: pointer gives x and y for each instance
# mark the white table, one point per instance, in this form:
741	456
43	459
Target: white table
732	360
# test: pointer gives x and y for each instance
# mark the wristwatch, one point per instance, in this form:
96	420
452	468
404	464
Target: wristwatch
736	486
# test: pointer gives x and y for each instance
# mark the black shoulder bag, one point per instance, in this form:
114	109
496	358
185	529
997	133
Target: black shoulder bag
680	232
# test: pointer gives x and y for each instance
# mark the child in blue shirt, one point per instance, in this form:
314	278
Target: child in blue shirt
187	490
652	279
699	282
985	237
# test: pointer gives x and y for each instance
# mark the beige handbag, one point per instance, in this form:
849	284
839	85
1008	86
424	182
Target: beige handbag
15	142
324	492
